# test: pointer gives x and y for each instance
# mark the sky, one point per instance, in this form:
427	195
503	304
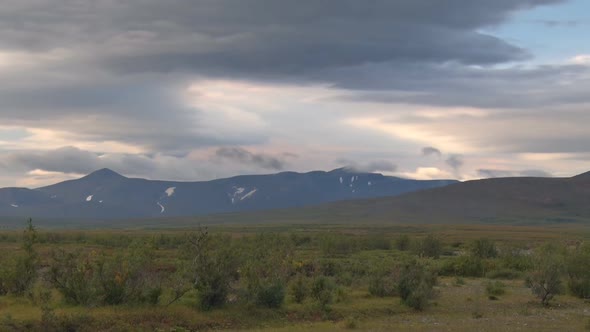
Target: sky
200	89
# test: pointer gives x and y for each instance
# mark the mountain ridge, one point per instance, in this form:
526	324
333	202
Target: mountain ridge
107	194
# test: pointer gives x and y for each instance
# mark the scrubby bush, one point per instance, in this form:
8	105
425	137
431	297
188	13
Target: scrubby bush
403	243
214	267
101	278
495	288
299	288
416	284
267	265
18	273
430	247
578	271
384	284
322	291
483	248
545	279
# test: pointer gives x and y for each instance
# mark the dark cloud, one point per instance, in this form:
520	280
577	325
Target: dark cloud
369	167
241	155
431	151
497	173
455	161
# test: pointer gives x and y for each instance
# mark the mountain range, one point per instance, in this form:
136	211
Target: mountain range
105	194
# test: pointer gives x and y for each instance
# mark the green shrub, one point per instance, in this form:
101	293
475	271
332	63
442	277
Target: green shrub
503	274
484	248
271	296
545	279
416	285
19	272
322	291
299	289
382	285
578	271
403	243
495	288
214	267
430	247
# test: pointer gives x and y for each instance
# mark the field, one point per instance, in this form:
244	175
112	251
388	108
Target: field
295	277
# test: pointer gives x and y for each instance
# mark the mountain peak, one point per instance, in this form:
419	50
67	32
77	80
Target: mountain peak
104	173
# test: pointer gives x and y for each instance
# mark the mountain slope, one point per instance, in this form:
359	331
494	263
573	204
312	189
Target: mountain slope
510	200
107	194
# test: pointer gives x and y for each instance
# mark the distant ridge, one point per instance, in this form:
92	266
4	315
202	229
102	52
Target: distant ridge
106	194
515	200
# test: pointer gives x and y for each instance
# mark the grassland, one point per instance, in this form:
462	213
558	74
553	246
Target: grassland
351	258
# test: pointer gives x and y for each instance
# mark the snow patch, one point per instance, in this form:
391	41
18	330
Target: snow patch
89	198
239	191
14	205
53	196
170	191
249	194
352	179
341	180
162	208
100	201
369	183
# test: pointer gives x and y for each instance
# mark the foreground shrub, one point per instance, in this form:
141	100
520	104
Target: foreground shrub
578	271
214	266
430	247
299	289
322	291
495	288
484	248
267	263
384	284
545	279
98	278
416	285
19	272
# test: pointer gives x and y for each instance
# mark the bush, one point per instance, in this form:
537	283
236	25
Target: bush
495	288
383	284
416	285
578	271
545	279
98	278
503	274
299	289
19	272
266	268
271	296
403	243
484	248
214	266
322	291
430	246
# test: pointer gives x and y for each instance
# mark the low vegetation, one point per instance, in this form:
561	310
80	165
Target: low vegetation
273	278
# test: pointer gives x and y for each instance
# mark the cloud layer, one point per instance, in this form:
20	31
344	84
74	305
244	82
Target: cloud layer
149	87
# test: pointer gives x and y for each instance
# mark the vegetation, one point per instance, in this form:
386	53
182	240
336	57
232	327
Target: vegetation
323	278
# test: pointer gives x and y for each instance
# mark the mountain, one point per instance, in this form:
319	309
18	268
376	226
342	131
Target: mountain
105	194
518	200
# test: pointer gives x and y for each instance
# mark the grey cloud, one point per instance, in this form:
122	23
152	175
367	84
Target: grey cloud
496	173
369	167
431	151
241	155
455	161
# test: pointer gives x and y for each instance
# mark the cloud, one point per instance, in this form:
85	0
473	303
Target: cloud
430	151
497	173
240	155
369	167
455	161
